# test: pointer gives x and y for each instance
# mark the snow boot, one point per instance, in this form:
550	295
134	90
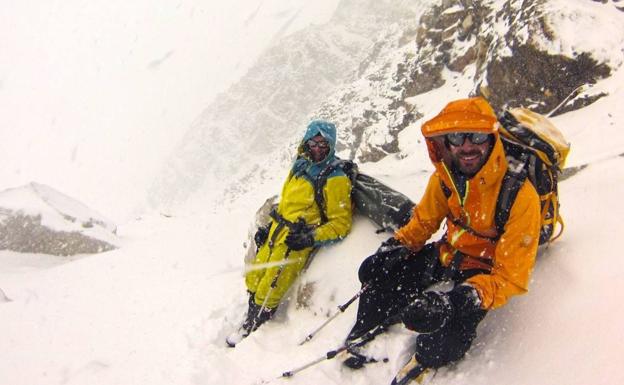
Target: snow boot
412	371
355	359
256	316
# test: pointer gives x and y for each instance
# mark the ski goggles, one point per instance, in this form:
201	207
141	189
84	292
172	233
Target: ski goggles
458	138
314	144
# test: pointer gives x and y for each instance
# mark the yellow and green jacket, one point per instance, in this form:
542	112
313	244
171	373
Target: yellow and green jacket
298	202
297	199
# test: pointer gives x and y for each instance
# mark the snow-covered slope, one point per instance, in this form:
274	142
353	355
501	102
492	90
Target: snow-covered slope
566	330
156	310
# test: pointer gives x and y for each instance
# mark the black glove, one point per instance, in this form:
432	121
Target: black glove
389	245
432	310
428	312
390	254
262	234
465	299
300	240
394	247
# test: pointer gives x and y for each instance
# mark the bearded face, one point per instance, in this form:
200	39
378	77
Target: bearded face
467	156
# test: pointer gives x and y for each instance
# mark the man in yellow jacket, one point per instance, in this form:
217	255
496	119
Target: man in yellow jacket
299	224
486	268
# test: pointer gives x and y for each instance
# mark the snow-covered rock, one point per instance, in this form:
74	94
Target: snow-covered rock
515	53
35	218
377	68
270	106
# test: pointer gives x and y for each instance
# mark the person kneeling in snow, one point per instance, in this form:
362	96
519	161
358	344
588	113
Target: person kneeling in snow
298	225
486	268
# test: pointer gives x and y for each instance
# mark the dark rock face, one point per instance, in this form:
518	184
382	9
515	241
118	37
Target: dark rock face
521	78
36	218
618	4
366	70
26	234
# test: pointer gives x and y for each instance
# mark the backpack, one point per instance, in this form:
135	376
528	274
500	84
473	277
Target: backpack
386	207
536	150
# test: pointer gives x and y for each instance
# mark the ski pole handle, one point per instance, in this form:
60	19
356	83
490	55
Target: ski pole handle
357	295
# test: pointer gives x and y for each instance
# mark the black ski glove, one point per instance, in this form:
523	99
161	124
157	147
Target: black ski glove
428	312
390	254
388	245
465	299
262	234
300	240
395	247
432	310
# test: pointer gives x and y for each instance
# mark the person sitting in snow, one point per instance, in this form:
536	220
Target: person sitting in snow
485	268
298	226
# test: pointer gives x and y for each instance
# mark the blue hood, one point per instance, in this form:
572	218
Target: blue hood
304	165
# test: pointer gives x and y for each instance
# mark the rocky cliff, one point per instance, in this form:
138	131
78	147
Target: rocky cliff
509	51
369	70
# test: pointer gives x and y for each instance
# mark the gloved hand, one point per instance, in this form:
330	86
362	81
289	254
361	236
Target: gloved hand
299	240
465	299
262	234
395	247
432	310
389	245
389	255
428	312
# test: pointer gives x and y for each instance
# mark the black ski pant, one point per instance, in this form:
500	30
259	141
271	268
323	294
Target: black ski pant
394	281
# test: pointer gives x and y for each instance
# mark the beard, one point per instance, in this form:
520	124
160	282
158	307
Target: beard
469	162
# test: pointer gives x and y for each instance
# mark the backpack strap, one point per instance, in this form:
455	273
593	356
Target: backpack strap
445	189
348	167
319	183
470	230
453	267
281	223
514	177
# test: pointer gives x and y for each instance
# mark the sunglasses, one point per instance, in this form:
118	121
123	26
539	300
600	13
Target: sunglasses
457	138
313	144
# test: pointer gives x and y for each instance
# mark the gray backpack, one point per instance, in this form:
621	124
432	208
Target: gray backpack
386	207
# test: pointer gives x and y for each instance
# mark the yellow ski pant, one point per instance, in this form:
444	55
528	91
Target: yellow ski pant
269	263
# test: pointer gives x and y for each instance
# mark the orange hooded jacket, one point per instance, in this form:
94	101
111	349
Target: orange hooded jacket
511	257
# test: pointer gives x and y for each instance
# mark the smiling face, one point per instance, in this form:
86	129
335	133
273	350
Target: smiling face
317	148
469	157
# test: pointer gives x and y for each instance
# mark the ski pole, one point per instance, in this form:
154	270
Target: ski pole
574	93
328	356
297	227
341	309
273	285
365	286
347	345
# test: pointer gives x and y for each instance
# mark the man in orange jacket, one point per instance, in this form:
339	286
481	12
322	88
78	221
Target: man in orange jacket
486	268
